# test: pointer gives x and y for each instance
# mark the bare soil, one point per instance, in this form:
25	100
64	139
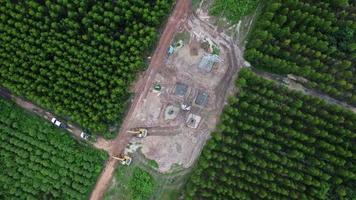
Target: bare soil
171	143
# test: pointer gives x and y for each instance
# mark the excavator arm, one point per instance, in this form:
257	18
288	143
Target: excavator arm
124	160
140	132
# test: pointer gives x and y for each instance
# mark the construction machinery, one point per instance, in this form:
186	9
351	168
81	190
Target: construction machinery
186	107
157	87
124	159
139	132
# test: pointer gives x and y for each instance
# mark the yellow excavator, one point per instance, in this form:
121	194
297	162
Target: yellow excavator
124	159
139	132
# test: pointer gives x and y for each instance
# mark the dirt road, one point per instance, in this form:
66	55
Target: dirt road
6	94
31	107
293	85
178	16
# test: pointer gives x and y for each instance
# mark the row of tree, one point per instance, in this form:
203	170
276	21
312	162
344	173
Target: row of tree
38	161
77	58
312	39
273	143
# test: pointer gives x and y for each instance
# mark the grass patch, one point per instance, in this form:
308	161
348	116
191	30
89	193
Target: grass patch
131	183
216	50
184	36
233	10
195	4
153	164
171	194
141	185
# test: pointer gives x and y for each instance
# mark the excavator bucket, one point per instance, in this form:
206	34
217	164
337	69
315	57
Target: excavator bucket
127	160
142	133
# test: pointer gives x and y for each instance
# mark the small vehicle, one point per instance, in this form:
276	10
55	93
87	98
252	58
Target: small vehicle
84	135
186	107
56	122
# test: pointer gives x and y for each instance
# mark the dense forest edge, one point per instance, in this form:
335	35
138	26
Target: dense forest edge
273	143
40	161
78	59
314	40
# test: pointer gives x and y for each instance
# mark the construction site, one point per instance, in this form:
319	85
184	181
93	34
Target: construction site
176	106
177	102
187	93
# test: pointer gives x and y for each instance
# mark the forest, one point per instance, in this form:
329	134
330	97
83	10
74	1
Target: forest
77	58
273	143
313	39
39	161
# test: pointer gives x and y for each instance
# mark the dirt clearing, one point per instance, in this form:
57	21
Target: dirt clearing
178	16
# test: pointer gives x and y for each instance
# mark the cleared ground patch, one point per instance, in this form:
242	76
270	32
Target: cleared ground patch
39	161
